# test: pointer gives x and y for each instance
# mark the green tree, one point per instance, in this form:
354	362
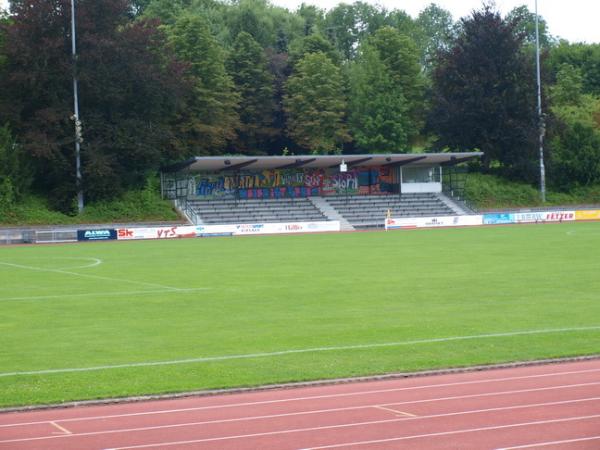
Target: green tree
585	57
347	25
400	55
247	65
210	119
14	174
568	89
575	137
313	43
379	119
128	94
436	30
315	105
524	23
484	95
166	10
314	18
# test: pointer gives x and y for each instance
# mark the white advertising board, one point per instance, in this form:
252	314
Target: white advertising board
268	228
232	229
544	216
433	222
156	233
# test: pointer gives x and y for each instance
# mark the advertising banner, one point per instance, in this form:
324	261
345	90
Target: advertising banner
497	219
544	216
156	233
592	214
433	222
97	235
528	217
267	228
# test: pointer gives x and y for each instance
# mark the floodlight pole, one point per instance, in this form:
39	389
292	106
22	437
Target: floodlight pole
76	115
541	124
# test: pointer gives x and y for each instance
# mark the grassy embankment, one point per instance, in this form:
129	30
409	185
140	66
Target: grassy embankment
486	192
135	206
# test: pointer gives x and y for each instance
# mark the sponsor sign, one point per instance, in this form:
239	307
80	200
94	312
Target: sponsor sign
497	219
268	228
528	217
544	216
96	235
593	214
433	222
156	233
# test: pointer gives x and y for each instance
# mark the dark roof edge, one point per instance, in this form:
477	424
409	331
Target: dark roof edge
178	167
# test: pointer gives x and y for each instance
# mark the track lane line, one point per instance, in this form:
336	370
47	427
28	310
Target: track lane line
275	416
327	396
62	429
442	433
546	444
398	413
445	433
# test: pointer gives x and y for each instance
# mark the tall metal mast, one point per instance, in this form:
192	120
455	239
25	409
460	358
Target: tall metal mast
541	124
78	137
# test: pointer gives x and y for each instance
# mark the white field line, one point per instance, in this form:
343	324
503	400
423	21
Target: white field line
297	351
546	444
96	277
94	262
345	425
103	294
420	436
346	394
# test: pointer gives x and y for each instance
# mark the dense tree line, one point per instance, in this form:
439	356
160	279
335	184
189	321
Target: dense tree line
163	80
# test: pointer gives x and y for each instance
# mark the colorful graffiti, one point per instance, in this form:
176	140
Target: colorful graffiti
296	183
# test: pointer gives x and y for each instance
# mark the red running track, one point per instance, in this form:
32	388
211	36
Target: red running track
554	406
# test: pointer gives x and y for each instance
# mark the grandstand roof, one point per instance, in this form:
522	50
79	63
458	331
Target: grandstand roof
221	163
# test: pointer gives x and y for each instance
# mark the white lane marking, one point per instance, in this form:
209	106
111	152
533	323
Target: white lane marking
348	394
546	444
395	411
419	436
205	359
103	294
96	277
62	429
344	425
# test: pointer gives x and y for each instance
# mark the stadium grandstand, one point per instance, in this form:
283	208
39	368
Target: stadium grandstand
357	190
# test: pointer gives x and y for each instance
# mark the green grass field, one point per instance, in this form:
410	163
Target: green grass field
226	312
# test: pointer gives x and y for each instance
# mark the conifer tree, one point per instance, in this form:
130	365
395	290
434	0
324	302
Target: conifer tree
401	57
379	120
247	65
210	119
315	105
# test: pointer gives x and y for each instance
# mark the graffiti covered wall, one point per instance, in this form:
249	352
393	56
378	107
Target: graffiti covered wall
296	183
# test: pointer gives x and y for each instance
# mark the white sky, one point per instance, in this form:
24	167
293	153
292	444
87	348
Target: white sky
574	20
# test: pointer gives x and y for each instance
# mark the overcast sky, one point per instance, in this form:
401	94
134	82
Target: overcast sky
574	20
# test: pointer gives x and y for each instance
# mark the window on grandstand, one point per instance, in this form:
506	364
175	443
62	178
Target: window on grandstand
421	175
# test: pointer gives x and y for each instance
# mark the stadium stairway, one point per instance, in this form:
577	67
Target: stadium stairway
458	207
370	211
331	213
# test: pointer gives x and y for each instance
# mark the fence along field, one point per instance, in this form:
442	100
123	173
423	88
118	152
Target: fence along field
115	319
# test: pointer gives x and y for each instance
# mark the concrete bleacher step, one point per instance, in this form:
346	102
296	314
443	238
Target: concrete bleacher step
256	210
370	211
